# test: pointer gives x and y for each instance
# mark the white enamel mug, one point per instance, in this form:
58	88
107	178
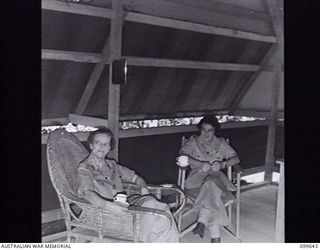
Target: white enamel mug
183	160
120	198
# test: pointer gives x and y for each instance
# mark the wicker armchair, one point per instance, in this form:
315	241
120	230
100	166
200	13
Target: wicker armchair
85	221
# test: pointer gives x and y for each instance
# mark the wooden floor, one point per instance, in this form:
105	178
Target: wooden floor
257	218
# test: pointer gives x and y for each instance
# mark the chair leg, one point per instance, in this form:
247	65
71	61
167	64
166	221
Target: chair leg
136	228
234	214
69	237
188	229
230	214
183	179
238	221
179	222
100	236
238	207
69	232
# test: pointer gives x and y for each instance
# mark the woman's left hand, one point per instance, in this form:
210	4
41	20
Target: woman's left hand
144	191
141	182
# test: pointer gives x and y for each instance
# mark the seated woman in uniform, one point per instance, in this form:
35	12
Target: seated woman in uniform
101	179
208	154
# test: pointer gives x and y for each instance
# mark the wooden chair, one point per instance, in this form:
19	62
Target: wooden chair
187	219
83	220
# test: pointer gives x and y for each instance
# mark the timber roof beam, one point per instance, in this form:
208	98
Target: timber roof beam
154	20
94	78
146	62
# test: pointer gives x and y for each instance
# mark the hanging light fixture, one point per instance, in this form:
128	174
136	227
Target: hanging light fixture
119	71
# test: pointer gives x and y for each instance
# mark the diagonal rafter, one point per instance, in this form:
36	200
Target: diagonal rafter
94	78
276	13
274	8
76	8
253	78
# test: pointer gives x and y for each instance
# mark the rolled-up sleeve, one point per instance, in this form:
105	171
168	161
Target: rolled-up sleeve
126	174
85	180
188	148
227	151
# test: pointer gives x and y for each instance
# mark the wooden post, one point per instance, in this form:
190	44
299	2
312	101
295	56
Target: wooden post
114	90
276	13
280	216
94	78
234	104
270	159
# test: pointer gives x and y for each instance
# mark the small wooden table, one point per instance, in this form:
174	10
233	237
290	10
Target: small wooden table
279	228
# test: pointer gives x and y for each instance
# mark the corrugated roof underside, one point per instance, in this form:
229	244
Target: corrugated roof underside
149	90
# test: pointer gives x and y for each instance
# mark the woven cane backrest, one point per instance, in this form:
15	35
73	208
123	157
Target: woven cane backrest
64	153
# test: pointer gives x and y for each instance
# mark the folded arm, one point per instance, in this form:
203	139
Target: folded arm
204	165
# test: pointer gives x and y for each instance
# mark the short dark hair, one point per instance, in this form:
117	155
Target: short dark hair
102	130
211	120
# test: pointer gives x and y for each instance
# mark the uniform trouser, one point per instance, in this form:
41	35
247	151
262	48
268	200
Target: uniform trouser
209	201
205	216
154	228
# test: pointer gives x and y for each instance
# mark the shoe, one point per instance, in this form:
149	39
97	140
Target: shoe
215	240
199	229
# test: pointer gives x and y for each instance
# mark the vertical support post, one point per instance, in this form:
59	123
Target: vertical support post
114	90
280	217
270	158
276	13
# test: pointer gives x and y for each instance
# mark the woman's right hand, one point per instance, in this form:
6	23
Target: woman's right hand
206	167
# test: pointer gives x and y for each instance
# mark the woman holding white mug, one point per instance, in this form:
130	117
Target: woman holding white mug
207	154
101	179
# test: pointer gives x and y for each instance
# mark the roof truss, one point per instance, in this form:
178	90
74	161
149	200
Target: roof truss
104	57
154	20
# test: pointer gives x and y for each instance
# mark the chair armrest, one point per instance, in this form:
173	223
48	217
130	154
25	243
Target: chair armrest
150	211
175	188
131	188
156	189
237	168
110	222
89	209
183	168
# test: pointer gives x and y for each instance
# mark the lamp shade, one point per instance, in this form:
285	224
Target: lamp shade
119	71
